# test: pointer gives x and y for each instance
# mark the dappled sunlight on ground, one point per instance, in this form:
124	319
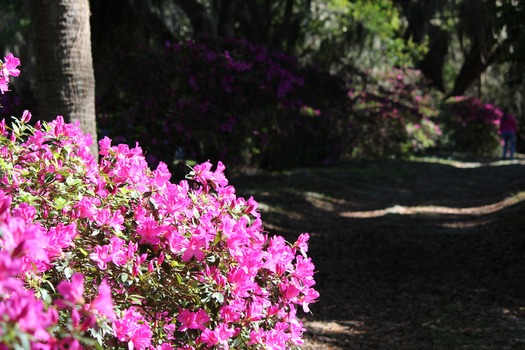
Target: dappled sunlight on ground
433	209
322	333
519	160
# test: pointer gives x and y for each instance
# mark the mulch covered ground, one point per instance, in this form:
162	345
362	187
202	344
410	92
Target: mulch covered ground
410	254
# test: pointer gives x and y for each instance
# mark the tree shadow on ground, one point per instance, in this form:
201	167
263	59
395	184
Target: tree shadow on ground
406	281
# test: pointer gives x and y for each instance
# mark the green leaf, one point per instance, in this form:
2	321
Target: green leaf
123	277
136	298
60	203
219	297
68	272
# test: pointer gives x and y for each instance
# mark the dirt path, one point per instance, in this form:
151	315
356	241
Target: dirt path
411	255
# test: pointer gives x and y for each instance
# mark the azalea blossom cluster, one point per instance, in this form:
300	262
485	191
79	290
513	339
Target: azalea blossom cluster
472	110
28	316
111	254
8	68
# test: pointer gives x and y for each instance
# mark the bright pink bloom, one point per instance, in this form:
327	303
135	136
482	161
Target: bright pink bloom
202	173
69	343
61	237
304	271
28	312
219	335
187	320
133	329
104	146
141	338
72	292
24	240
25	212
103	303
309	296
194	249
302	243
150	231
26	116
101	256
192	320
241	283
9	268
9	66
106	218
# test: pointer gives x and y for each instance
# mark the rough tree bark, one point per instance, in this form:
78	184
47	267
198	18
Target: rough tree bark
64	63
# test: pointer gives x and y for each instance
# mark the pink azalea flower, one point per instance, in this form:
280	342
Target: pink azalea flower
241	283
9	66
5	200
106	218
61	236
25	212
104	146
309	296
72	292
194	249
141	338
202	173
101	256
26	116
302	243
28	312
304	271
133	329
149	230
192	320
161	174
24	240
219	335
87	207
103	303
254	312
70	343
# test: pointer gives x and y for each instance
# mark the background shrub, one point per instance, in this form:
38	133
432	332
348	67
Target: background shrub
393	114
230	101
470	126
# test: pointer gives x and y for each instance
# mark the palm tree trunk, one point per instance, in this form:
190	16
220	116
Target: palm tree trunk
64	63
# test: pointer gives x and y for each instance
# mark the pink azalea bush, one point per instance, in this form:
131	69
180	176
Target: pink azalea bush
394	114
471	126
111	254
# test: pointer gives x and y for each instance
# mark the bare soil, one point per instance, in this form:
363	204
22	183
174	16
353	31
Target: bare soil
420	254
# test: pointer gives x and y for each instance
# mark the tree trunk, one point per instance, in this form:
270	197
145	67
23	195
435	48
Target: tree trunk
434	61
65	78
474	65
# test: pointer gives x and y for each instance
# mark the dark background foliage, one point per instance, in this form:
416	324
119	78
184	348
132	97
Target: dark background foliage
292	83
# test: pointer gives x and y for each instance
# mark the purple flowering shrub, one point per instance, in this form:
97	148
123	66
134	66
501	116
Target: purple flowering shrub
393	114
221	100
111	254
471	126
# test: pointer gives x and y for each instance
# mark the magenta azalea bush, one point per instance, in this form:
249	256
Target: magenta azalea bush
471	126
223	100
111	254
394	114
